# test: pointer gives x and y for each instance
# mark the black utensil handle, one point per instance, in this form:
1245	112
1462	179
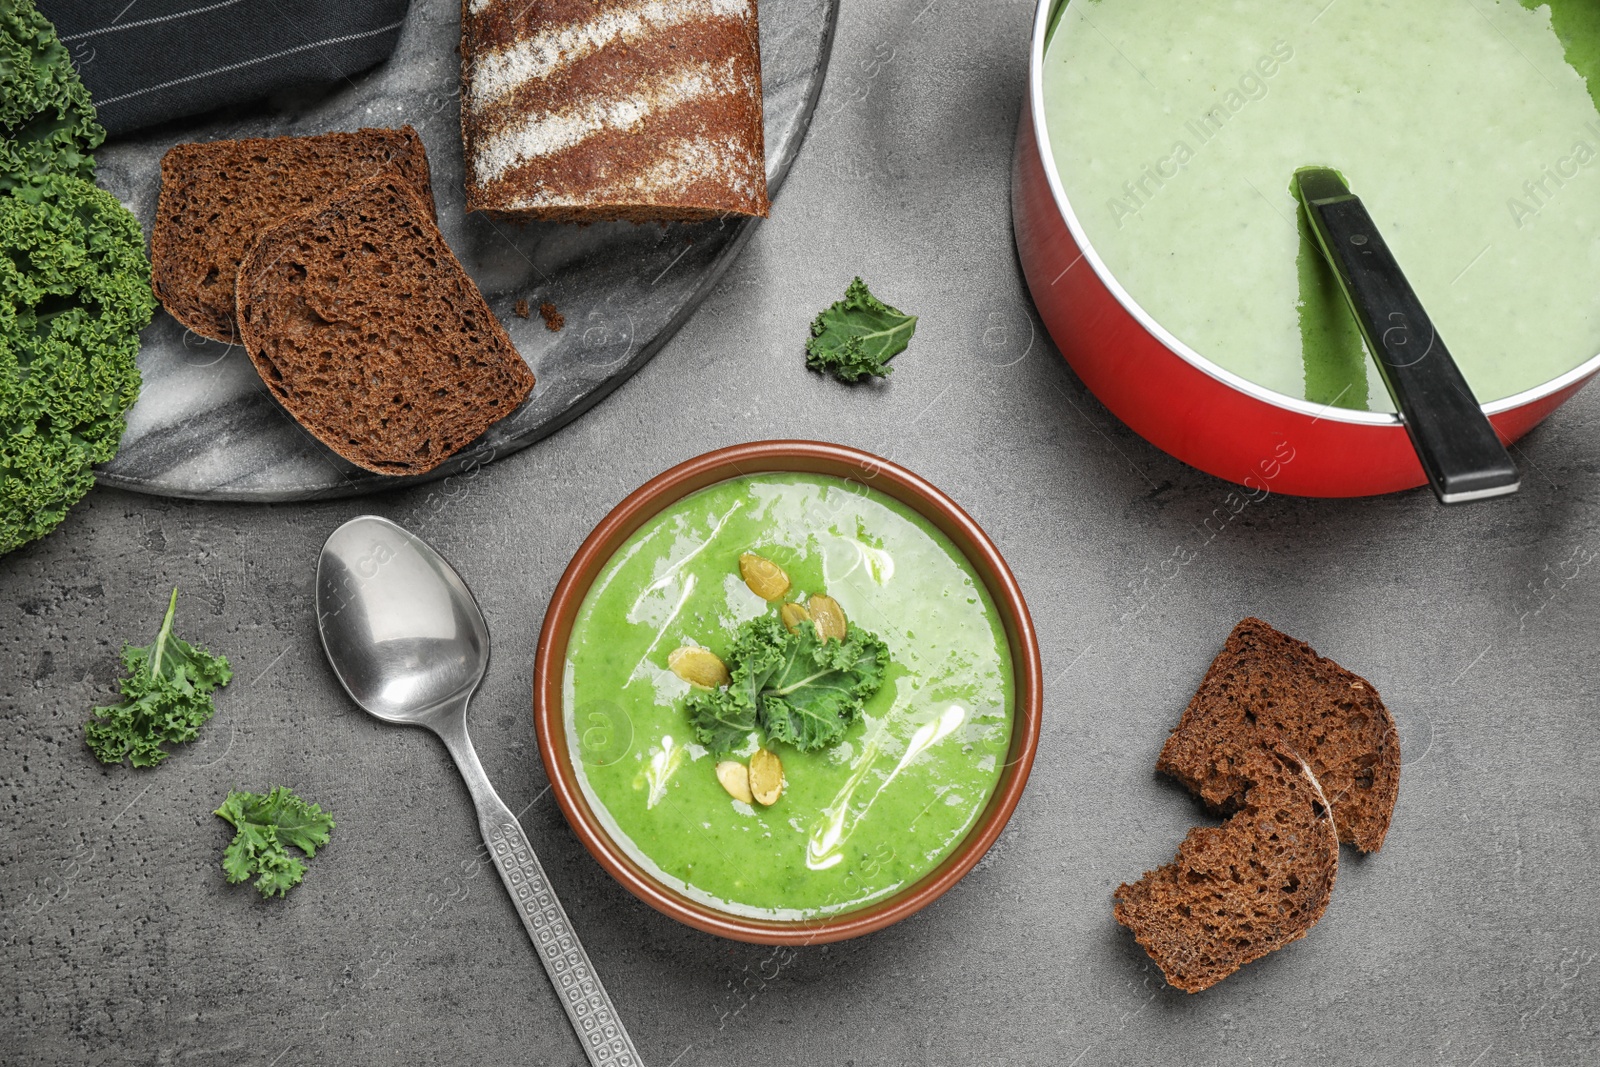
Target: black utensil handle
1460	451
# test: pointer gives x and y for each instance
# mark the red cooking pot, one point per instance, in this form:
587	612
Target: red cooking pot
1177	399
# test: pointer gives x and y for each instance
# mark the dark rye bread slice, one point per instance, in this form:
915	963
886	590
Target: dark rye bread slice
1238	891
216	198
365	327
1265	686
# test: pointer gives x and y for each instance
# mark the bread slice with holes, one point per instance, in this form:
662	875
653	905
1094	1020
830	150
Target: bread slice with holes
217	197
1238	891
1264	687
366	328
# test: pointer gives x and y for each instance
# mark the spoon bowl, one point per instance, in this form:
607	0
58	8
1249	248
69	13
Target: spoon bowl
401	629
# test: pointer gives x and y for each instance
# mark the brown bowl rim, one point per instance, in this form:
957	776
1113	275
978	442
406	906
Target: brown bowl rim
813	457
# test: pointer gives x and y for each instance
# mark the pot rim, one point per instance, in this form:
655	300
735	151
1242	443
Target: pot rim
1086	247
778	456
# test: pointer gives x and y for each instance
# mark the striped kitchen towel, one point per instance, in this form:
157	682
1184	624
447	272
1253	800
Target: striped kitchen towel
149	61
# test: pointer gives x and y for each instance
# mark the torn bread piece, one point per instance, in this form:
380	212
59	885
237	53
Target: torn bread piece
1265	686
1238	891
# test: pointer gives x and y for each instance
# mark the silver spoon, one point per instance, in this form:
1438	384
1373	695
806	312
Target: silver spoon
409	644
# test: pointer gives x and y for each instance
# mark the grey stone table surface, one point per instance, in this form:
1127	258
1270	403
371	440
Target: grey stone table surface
1472	939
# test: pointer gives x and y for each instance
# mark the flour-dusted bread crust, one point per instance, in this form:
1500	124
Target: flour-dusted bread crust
1238	891
365	327
217	197
1264	687
584	110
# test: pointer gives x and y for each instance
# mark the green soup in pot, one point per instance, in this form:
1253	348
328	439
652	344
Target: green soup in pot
857	821
1468	127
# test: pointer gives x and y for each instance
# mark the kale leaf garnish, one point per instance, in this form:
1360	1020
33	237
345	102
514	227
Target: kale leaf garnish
795	686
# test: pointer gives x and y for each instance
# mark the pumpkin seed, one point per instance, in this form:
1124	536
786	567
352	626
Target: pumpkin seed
828	617
735	778
699	666
764	577
766	777
793	615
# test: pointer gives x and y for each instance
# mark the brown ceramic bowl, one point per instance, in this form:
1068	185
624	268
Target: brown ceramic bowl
815	458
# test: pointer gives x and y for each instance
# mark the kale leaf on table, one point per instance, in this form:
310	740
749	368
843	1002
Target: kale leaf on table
858	336
166	698
794	686
267	825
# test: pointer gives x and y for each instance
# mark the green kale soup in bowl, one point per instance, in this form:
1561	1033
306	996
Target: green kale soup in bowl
787	692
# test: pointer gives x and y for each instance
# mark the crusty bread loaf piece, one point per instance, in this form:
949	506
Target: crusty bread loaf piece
364	326
582	110
216	198
1238	891
1265	686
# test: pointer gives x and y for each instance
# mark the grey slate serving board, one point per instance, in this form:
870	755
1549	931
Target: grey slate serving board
206	428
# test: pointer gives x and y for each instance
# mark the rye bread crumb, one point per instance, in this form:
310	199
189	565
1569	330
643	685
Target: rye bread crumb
1265	686
553	319
520	308
363	324
217	197
1238	891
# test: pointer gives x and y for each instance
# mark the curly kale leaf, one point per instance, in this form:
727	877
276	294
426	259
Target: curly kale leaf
166	698
821	686
721	718
74	294
266	824
797	688
47	121
858	336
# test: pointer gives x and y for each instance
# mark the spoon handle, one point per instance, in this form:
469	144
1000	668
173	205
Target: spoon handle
1460	451
594	1018
589	1008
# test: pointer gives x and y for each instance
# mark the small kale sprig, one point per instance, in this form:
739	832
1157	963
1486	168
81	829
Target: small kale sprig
166	698
858	336
795	686
265	825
